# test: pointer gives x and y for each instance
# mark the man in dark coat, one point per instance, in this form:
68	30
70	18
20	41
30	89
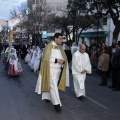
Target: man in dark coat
115	62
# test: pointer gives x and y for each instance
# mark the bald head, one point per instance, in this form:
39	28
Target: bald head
82	48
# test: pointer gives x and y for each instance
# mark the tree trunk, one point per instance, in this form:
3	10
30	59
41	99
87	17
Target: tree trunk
116	33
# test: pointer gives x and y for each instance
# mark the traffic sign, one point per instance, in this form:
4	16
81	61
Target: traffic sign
44	34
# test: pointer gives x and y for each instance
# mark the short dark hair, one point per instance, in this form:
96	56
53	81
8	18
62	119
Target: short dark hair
106	50
56	35
118	43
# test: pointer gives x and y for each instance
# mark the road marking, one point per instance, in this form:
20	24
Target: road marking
99	104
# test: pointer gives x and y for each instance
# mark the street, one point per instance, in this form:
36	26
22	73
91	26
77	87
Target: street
18	100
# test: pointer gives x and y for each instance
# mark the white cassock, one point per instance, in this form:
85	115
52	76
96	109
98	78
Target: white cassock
55	70
37	61
28	58
32	62
80	62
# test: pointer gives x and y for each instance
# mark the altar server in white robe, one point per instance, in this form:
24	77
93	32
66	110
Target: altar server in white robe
54	72
80	66
37	61
34	56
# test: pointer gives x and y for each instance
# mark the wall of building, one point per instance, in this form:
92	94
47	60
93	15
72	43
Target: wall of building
3	23
109	27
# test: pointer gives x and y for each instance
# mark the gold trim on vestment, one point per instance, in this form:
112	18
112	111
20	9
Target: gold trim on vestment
45	69
55	47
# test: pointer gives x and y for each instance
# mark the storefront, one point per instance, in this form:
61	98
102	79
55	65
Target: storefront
92	36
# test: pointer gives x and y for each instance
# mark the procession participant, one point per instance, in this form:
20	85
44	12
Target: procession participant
14	68
28	57
103	65
54	73
37	61
80	66
7	51
34	56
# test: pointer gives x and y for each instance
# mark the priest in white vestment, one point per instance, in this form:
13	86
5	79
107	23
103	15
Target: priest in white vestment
80	66
54	72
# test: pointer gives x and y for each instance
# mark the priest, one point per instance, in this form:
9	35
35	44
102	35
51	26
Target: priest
80	66
54	73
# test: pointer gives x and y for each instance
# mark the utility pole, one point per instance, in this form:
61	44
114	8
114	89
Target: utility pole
35	26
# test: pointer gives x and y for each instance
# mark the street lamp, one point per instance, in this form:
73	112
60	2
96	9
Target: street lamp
98	16
72	13
34	24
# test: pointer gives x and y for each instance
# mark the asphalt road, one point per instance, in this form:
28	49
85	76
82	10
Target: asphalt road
18	101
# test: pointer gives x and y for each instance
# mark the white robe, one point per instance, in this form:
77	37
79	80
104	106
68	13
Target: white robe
37	61
14	61
32	62
80	62
28	58
55	70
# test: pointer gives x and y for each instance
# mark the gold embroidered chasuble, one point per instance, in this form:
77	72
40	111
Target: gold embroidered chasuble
45	69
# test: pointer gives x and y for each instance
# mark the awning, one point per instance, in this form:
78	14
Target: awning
88	35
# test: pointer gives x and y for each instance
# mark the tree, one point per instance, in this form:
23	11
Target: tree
106	8
64	23
77	11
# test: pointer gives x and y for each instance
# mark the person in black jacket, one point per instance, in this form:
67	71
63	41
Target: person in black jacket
115	62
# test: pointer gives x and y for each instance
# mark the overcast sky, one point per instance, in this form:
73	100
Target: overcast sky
6	6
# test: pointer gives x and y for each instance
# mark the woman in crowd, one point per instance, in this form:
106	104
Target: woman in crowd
103	65
28	57
7	52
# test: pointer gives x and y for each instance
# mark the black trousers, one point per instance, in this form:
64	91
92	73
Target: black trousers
104	77
114	77
117	79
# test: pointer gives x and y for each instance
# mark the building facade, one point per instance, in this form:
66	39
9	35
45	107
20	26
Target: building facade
105	35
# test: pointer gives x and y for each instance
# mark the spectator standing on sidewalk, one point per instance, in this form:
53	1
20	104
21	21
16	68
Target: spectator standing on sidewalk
103	65
115	62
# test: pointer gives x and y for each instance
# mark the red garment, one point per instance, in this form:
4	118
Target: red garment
11	70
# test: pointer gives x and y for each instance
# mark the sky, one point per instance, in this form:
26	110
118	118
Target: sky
6	6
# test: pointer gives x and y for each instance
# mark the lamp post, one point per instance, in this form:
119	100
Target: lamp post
73	18
98	16
72	13
34	24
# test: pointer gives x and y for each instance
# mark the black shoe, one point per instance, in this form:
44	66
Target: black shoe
81	97
47	101
57	108
111	86
115	89
102	84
